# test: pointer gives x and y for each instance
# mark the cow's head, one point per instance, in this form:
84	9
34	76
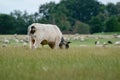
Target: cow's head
64	44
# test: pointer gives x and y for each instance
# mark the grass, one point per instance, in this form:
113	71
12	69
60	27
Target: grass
76	63
107	33
89	41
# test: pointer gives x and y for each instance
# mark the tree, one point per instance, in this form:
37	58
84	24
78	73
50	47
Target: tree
23	20
112	25
7	24
20	23
47	11
118	8
98	23
82	9
81	28
55	14
112	9
81	16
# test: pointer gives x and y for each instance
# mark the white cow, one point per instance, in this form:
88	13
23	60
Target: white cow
45	34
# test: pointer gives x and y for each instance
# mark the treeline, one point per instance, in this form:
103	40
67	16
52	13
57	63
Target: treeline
71	16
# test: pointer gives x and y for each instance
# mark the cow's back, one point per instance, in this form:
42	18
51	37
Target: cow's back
47	31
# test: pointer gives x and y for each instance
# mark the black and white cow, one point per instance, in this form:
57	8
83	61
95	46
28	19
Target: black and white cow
46	34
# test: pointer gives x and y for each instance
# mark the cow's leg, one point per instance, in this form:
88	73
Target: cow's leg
37	43
51	45
32	43
57	42
56	46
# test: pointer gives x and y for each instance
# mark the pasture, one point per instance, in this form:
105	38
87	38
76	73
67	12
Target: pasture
88	62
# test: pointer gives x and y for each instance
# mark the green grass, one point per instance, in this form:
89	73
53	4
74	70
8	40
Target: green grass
76	63
107	33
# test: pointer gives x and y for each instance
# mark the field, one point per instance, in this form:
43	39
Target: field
77	63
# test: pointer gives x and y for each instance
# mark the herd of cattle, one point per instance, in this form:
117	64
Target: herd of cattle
47	34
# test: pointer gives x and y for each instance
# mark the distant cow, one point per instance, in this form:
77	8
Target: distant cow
46	34
109	42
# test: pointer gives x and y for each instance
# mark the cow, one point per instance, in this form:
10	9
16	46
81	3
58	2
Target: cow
46	34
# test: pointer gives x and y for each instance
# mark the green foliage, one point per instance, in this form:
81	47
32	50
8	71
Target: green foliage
22	21
6	24
81	28
96	15
98	23
118	7
112	25
111	9
82	10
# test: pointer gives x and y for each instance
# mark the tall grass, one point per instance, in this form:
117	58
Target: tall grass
76	63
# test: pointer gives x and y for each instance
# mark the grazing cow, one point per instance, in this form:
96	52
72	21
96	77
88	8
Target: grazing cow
117	43
97	42
109	42
45	34
6	41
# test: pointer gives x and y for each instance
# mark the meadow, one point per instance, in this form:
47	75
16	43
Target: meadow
76	63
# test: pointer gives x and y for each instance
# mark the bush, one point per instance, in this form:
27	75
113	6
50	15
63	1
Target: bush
81	28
